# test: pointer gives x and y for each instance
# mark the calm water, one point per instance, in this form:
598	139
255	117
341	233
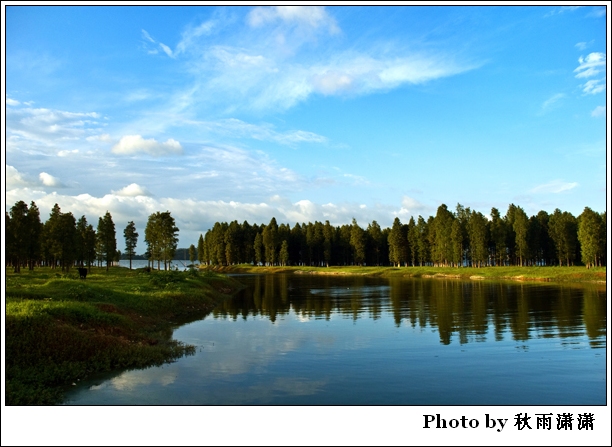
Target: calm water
306	339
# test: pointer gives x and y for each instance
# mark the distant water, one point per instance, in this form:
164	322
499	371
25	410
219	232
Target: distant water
309	339
140	263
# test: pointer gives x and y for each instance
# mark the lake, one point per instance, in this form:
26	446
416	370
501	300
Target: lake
290	339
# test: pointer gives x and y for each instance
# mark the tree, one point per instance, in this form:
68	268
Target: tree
498	236
232	243
131	239
442	249
35	228
562	228
413	240
328	242
18	229
161	237
258	249
107	240
193	254
357	243
479	238
521	226
284	253
589	234
270	240
201	257
397	243
86	246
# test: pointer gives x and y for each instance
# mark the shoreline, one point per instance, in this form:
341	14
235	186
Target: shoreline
61	329
578	275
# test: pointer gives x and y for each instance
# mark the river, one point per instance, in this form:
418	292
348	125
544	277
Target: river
291	339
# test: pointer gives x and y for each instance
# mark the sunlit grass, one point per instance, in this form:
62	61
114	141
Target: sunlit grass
555	274
60	329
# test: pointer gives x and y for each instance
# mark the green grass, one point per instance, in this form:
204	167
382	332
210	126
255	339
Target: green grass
552	274
61	329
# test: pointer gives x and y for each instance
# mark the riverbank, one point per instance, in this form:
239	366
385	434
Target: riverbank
61	329
540	274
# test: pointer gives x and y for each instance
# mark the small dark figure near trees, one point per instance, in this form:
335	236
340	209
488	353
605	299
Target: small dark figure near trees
82	273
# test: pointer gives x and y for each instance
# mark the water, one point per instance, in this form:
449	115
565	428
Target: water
141	263
308	339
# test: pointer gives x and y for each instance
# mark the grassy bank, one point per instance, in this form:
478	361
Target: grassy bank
549	274
61	329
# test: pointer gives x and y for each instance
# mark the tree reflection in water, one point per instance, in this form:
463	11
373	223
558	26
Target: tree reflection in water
468	310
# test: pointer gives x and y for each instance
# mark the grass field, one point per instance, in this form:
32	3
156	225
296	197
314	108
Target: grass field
551	274
61	329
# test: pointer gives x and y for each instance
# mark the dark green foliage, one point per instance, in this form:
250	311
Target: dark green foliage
107	241
131	239
161	238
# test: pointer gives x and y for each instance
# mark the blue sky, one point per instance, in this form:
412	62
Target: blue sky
303	113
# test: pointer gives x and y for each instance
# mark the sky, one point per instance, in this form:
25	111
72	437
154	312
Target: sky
303	113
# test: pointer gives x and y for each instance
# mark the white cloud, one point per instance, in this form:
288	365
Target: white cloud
262	132
597	11
599	111
147	36
594	86
49	180
554	187
133	144
166	49
581	45
50	127
105	138
591	65
552	102
281	84
14	179
191	34
412	207
12	102
132	190
66	153
357	179
305	16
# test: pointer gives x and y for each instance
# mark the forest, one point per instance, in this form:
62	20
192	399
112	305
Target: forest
64	242
459	238
463	238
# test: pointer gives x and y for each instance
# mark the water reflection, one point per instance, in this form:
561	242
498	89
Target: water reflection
469	311
323	340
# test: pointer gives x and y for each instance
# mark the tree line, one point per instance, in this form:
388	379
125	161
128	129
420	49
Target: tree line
459	238
64	242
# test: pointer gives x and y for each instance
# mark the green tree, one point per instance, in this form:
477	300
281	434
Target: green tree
258	249
86	245
328	243
107	239
397	243
270	240
18	234
232	243
201	256
498	236
35	228
589	233
479	238
562	228
131	240
442	248
161	236
358	243
520	226
413	240
284	253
